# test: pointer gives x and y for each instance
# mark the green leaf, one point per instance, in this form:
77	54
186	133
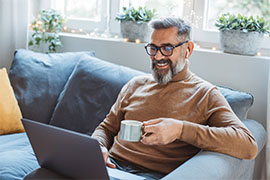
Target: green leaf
246	24
30	43
142	14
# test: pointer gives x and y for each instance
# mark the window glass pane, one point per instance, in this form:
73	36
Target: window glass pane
163	8
245	7
79	9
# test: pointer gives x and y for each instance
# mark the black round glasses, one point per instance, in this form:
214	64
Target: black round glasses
166	50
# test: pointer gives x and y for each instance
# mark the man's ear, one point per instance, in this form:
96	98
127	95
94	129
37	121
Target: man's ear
189	49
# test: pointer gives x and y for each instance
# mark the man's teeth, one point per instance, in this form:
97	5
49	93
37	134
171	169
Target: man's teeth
162	64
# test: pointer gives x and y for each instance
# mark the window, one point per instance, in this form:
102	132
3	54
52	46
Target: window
99	15
164	8
246	7
80	9
83	14
207	34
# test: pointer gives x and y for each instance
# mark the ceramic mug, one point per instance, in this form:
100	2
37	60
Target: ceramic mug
131	130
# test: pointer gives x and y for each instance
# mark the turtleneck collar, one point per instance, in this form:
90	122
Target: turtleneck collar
184	74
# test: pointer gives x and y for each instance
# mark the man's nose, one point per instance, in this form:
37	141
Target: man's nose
159	55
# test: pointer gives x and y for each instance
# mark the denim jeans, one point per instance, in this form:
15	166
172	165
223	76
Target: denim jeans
134	169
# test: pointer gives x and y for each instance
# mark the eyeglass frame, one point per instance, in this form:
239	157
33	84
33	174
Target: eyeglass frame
158	48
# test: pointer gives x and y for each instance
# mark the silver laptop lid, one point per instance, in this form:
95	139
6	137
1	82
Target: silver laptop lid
66	152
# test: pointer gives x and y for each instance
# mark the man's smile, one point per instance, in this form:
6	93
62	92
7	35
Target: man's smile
161	64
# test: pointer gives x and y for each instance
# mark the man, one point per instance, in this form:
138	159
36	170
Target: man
182	113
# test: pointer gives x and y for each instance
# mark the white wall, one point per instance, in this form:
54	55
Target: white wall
245	73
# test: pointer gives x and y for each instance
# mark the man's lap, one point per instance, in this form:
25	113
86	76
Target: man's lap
134	169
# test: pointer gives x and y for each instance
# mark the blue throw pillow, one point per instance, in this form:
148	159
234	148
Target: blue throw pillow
240	102
38	79
89	94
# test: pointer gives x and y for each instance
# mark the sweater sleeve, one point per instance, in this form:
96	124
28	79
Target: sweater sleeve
224	132
109	128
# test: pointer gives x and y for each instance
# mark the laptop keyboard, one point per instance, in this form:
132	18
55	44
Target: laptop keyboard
114	178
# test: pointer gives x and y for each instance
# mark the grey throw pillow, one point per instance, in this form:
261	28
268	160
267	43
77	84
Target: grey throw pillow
38	79
89	94
240	102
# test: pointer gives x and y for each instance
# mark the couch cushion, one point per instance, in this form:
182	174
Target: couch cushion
240	102
89	94
10	114
16	157
38	79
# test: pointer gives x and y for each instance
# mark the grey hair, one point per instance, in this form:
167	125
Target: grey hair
183	28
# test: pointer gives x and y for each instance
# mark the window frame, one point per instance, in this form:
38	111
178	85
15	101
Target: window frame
87	24
202	36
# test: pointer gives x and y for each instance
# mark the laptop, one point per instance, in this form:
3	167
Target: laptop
69	153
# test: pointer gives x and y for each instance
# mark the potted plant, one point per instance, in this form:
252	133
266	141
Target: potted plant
240	34
46	30
134	23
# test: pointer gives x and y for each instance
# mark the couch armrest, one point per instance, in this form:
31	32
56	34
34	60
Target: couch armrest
212	165
258	131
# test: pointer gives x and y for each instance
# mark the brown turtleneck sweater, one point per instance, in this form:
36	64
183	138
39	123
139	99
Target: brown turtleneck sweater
208	122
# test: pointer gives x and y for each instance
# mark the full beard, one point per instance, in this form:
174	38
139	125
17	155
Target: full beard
163	76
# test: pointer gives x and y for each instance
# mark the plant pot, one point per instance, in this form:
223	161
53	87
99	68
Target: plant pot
133	31
239	42
44	46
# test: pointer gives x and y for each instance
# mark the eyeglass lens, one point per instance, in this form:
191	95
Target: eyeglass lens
165	50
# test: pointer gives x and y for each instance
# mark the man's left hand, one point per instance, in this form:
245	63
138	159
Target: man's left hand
161	131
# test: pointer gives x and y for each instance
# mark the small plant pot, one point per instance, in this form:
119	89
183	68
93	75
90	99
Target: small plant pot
239	42
43	47
133	31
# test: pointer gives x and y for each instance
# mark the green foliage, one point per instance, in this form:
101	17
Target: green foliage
136	15
246	24
46	29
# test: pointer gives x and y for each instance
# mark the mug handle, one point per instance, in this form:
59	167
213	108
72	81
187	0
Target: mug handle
144	134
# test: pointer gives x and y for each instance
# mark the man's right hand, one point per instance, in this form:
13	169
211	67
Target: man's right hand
107	160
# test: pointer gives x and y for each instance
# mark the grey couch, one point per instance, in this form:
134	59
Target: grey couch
76	90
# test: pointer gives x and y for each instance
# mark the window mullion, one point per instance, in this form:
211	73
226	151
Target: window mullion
198	13
114	25
200	34
45	4
65	6
188	4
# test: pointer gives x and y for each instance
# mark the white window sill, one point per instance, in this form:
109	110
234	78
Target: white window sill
202	47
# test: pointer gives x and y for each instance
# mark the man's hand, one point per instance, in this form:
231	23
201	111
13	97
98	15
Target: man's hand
161	131
107	160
